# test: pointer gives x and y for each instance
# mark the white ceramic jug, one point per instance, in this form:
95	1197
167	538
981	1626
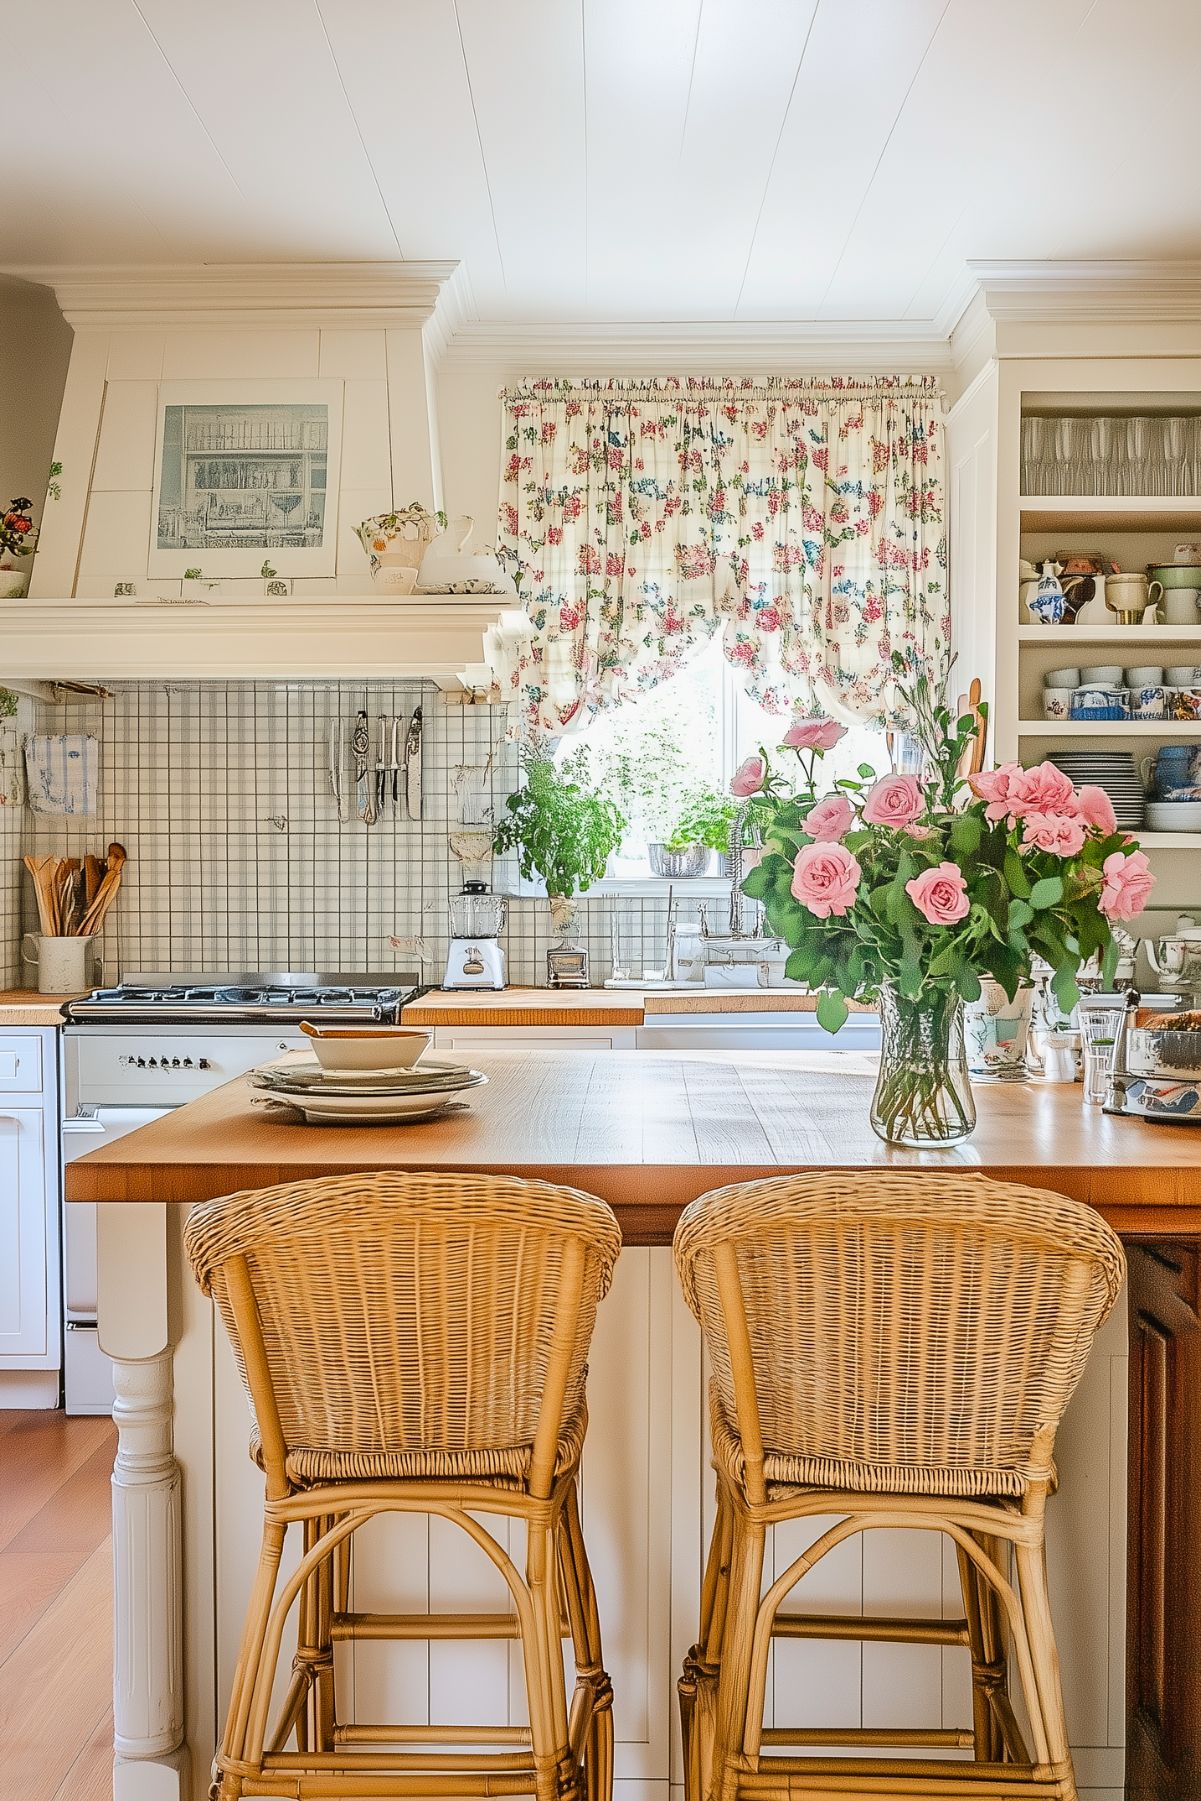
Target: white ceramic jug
63	964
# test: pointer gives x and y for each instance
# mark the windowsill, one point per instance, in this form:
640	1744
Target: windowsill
705	887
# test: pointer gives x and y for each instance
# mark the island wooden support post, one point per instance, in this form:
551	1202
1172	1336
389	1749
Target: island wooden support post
149	1761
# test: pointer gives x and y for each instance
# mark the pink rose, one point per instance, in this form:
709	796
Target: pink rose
993	786
894	800
814	734
748	778
830	819
1096	809
1127	882
940	894
1043	789
1054	832
825	878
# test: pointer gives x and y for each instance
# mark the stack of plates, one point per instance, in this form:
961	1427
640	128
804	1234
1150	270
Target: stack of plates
381	1097
1114	771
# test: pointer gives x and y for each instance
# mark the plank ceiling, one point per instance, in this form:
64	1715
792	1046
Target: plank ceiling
610	159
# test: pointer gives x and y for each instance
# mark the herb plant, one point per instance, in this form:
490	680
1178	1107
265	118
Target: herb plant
563	830
705	818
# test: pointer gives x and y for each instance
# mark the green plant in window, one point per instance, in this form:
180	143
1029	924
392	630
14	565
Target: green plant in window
562	827
704	818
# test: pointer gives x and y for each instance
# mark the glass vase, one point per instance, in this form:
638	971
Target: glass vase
923	1092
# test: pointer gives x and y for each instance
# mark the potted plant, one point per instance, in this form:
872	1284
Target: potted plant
910	891
563	829
702	825
17	540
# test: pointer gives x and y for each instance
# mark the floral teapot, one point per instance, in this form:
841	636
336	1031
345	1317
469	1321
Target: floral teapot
396	544
1176	959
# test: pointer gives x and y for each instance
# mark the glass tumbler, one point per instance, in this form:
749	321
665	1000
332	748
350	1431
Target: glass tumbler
1098	1032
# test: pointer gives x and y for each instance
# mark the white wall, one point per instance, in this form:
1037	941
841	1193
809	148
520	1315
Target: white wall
35	343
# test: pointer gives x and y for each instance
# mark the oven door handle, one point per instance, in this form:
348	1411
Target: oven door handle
86	1121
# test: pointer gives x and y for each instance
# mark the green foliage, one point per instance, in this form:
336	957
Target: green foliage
705	818
562	829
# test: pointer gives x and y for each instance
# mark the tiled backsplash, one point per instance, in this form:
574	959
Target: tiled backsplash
237	858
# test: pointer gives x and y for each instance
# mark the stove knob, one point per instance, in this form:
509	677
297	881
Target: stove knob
153	1063
140	1061
187	1063
203	1063
175	1063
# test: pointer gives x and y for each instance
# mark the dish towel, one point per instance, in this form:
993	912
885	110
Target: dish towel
62	773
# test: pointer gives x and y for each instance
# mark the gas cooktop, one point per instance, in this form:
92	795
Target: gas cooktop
255	997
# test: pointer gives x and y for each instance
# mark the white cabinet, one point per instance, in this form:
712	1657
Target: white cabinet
30	1312
478	1040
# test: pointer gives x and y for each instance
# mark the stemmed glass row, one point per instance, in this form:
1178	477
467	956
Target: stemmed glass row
1124	454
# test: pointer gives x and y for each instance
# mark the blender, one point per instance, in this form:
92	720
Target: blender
475	958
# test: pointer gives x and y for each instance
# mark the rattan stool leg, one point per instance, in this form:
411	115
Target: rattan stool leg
250	1652
555	1772
1036	1606
988	1667
698	1683
594	1692
734	1675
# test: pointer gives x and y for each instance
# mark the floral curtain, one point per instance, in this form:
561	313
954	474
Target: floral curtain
804	520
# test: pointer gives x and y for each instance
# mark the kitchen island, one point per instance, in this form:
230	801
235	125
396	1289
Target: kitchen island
648	1133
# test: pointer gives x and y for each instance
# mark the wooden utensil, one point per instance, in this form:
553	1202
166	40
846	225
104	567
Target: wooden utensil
43	869
93	919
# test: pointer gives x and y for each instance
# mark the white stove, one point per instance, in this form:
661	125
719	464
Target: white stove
132	1053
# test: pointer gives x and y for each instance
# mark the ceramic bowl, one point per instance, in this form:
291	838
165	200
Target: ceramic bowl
1151	702
1057	703
1175	575
1144	675
1181	675
366	1047
1174	815
1062	678
1101	675
1186	703
1100	703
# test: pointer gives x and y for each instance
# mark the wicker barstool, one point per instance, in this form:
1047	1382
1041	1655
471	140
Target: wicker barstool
896	1349
413	1344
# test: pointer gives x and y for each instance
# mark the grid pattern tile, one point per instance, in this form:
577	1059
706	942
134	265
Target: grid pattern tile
238	860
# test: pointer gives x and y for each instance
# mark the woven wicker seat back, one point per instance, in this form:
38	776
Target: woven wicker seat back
902	1333
408	1322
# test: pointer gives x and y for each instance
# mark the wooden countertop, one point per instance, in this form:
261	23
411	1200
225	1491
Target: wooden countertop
26	1007
650	1132
594	1006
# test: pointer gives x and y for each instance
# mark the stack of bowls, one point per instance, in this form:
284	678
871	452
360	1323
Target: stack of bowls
1114	771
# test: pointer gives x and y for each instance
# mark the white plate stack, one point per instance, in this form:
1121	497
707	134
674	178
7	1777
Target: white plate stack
1114	771
378	1097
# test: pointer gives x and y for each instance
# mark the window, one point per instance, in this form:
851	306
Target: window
684	739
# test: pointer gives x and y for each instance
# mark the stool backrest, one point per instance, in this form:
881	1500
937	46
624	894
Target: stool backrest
902	1321
395	1312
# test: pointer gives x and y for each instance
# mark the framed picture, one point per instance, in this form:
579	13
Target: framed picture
244	472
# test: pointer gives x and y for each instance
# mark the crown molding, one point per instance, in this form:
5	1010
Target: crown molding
230	294
747	347
1094	291
453	311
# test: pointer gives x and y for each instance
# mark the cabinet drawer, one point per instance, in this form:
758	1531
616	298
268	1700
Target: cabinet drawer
21	1070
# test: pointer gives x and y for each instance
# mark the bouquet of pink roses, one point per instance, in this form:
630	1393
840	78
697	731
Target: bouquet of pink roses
908	889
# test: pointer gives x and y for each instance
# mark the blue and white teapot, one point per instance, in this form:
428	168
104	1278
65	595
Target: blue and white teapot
1048	603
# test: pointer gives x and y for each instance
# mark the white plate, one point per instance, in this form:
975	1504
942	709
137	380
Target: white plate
355	1108
283	1107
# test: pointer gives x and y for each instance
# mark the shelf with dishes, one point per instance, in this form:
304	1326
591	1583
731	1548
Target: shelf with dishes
1110	728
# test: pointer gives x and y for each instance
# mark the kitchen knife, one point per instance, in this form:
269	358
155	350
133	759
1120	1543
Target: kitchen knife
397	723
413	766
360	744
333	762
381	766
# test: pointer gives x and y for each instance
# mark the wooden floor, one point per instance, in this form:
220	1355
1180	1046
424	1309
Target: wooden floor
55	1608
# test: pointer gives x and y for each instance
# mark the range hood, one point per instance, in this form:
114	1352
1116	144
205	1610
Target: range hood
322	638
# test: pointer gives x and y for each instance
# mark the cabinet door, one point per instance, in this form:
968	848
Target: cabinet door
1163	1686
28	1277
